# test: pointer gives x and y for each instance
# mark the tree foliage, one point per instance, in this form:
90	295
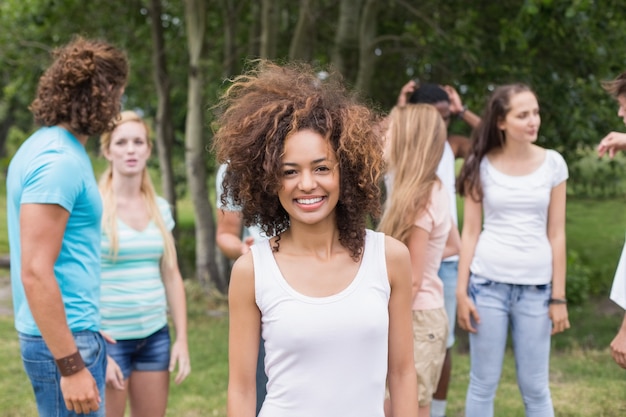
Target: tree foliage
563	49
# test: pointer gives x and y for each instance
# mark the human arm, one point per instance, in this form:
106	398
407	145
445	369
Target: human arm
460	145
457	108
417	244
175	292
401	378
556	236
228	232
618	345
244	335
405	92
472	225
42	227
611	143
114	375
453	244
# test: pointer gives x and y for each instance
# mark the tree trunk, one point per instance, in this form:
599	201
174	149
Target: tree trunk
269	28
163	122
5	126
367	57
301	47
346	49
229	19
195	153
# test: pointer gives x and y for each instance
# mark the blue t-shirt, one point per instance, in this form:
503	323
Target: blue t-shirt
52	167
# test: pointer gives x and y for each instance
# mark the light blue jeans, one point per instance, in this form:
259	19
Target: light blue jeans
448	273
523	308
45	377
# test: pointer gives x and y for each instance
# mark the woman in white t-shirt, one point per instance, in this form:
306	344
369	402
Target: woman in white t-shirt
512	263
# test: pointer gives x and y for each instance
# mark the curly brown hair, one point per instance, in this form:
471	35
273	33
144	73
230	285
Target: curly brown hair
82	87
261	109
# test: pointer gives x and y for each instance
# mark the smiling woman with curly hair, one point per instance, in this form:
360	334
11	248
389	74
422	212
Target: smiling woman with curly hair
330	298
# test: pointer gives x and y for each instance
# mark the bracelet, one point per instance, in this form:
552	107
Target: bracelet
557	301
71	364
460	114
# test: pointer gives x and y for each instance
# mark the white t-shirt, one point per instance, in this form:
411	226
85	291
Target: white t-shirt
325	356
253	231
513	246
446	172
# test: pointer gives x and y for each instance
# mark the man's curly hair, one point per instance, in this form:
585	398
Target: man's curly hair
82	87
265	105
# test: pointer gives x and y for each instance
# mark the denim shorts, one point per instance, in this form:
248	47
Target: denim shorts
45	378
151	353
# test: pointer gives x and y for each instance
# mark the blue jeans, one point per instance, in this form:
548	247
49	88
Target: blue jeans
525	309
448	273
45	377
151	353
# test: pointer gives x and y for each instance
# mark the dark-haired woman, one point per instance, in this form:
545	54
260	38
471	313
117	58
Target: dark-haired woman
512	263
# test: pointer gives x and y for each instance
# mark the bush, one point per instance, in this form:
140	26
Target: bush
593	177
578	277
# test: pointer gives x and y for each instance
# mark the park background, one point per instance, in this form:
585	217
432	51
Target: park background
182	52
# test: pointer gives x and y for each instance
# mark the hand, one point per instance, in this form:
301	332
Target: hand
465	312
107	338
558	315
80	392
405	93
114	375
618	348
456	105
180	355
245	245
613	142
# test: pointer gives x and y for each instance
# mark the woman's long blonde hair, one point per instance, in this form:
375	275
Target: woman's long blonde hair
109	202
415	142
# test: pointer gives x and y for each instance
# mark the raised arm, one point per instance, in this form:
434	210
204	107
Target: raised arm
457	108
611	143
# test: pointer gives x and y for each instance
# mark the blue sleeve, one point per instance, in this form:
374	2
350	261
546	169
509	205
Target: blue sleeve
166	213
54	179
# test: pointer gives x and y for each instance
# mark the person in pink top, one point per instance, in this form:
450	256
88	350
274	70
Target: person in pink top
417	213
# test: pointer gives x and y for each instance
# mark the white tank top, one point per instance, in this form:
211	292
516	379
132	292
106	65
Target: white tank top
325	356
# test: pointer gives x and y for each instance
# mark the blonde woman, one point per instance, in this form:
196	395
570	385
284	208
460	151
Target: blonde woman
140	277
417	213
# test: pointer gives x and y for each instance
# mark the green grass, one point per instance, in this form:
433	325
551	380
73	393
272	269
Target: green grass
595	230
584	379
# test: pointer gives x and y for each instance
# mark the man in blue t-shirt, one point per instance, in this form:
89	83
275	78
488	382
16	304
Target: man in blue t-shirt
54	215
